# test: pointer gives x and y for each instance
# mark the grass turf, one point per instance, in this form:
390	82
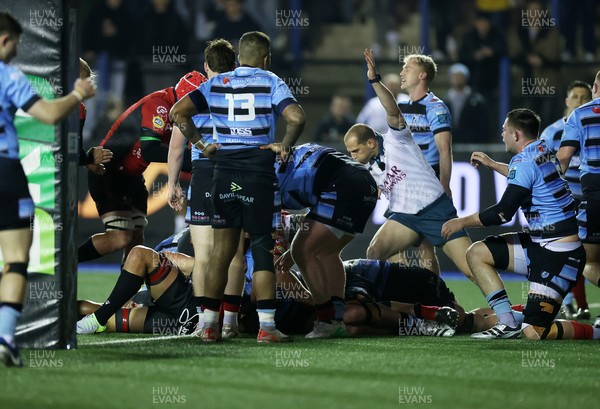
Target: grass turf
142	371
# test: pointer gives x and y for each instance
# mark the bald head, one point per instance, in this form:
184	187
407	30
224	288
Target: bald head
255	49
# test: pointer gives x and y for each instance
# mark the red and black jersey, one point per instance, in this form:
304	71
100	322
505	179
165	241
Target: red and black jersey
146	120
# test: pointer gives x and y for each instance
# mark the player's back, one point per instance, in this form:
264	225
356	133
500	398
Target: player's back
243	104
586	121
551	211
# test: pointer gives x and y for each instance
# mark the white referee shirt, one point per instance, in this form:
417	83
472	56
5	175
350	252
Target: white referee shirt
407	180
373	113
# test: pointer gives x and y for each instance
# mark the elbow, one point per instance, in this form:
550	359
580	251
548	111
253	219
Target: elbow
298	118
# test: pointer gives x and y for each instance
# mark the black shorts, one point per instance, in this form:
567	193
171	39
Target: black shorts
118	191
413	284
16	206
588	221
199	212
174	309
348	201
244	198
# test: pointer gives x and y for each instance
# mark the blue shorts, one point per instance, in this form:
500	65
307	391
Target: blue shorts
428	221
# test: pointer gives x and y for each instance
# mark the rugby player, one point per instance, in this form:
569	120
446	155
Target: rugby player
244	104
418	204
550	254
17	207
578	93
219	57
583	133
139	136
341	195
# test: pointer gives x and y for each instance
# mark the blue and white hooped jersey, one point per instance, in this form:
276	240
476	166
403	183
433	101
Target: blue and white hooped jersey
551	211
552	135
296	176
203	123
582	131
15	92
243	104
425	118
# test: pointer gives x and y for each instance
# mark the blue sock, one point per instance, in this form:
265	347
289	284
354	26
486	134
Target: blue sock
9	314
568	298
339	305
499	302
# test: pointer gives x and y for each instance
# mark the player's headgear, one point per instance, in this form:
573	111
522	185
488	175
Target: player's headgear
188	83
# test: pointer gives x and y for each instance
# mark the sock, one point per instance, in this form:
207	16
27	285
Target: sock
87	252
582	331
211	308
232	303
266	319
568	299
127	285
9	314
325	312
339	305
579	293
426	311
230	318
499	302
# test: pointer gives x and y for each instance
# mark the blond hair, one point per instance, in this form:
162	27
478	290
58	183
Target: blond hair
425	63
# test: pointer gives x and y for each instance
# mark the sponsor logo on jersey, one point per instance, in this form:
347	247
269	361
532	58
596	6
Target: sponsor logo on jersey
241	131
158	122
162	110
235	187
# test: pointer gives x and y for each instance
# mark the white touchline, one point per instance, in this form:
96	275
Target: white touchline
134	340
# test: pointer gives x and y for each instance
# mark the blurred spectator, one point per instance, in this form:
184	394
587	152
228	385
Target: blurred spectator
498	10
536	48
444	15
113	108
481	50
574	12
470	123
162	33
106	29
336	122
373	113
234	21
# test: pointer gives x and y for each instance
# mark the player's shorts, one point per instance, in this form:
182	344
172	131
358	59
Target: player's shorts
347	202
174	309
428	222
244	198
118	191
199	211
557	270
589	221
16	206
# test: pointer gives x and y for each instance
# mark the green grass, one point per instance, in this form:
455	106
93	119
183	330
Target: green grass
350	373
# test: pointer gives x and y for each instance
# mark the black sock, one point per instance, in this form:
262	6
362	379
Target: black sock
87	252
127	285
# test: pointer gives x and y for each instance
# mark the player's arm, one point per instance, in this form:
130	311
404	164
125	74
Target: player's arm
480	158
388	101
495	215
295	119
569	142
181	115
174	162
52	111
443	142
182	261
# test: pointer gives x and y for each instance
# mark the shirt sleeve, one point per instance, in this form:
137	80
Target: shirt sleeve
571	134
19	90
199	97
399	135
439	118
155	117
521	173
281	96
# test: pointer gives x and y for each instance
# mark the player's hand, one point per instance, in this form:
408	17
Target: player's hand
96	169
175	197
100	155
284	262
451	227
280	149
480	158
210	150
370	59
85	87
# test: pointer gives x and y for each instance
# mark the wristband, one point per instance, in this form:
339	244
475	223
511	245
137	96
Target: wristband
77	95
376	79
